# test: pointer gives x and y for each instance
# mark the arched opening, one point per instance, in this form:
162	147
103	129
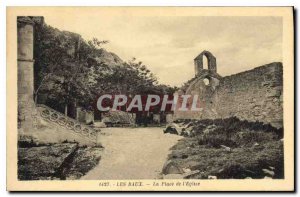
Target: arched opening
205	62
206	81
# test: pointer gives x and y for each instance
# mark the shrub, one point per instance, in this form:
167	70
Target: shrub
234	170
251	137
245	160
216	140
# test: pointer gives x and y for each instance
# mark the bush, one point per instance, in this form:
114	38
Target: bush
216	140
231	125
251	137
234	170
231	132
202	149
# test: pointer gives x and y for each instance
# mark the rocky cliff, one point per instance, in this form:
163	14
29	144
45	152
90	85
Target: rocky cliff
101	55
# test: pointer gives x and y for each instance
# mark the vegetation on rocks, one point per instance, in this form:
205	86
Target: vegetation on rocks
230	148
84	160
55	161
71	71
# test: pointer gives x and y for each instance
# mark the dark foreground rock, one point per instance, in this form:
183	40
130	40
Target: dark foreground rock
85	159
56	161
256	162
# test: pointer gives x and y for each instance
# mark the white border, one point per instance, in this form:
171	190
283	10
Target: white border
105	3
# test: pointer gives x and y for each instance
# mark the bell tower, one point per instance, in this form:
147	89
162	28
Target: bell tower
211	60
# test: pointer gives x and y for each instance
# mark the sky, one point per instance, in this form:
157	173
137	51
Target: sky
167	45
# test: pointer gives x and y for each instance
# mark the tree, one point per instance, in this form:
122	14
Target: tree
62	67
68	71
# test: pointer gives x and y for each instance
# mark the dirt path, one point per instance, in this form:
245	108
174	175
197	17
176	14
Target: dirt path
132	153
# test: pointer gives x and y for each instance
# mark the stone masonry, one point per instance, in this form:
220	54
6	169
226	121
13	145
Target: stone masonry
25	72
254	95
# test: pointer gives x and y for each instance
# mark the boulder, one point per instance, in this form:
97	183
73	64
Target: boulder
191	174
99	124
173	176
186	170
172	128
209	129
256	144
171	168
85	159
43	162
180	128
212	177
267	177
226	148
187	131
272	168
268	172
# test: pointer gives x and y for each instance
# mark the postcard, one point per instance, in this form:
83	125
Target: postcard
150	99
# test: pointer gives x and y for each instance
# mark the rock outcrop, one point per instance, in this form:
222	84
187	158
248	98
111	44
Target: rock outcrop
56	161
43	162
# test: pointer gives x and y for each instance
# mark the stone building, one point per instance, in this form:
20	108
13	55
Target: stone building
253	95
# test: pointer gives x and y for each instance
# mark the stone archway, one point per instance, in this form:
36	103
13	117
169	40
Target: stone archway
211	62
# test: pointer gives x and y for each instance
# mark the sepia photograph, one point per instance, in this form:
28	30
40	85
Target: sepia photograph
150	99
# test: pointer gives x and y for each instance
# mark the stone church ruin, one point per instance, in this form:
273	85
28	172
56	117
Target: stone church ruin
253	95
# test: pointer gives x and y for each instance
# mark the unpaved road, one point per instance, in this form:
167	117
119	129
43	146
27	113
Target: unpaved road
132	153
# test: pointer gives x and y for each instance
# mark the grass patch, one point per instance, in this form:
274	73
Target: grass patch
254	149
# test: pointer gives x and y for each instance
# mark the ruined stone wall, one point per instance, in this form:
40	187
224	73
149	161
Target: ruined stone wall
254	95
84	116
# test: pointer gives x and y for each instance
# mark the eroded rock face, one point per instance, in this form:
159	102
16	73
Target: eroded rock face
57	161
84	160
43	162
171	168
108	58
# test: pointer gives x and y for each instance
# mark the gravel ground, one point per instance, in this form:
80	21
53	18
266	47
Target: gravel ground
132	153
